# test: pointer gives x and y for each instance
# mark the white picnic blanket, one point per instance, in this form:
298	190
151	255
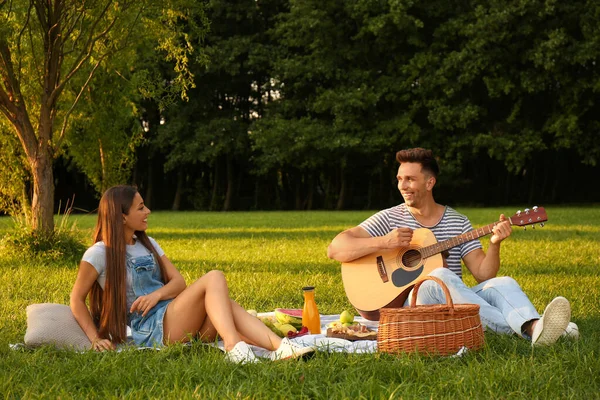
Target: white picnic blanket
322	342
325	343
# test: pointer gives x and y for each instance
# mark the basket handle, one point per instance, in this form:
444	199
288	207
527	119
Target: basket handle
449	302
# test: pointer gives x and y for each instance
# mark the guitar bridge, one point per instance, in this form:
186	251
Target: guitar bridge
381	269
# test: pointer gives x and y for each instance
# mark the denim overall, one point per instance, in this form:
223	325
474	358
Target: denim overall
145	275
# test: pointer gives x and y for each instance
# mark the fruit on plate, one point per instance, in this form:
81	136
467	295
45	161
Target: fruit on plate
346	317
355	331
337	326
270	323
286	329
301	332
292	316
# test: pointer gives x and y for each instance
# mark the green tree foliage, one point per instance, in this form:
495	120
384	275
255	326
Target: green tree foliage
514	78
13	178
365	78
50	54
303	103
211	129
343	99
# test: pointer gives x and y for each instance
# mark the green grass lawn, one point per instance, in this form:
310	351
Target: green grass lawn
268	257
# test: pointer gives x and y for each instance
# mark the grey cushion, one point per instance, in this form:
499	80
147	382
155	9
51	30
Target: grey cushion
54	324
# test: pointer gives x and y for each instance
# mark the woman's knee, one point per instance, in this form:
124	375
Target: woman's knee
215	275
216	278
211	279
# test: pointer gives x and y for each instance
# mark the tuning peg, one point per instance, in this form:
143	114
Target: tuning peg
541	224
519	213
535	208
527	211
524	228
532	226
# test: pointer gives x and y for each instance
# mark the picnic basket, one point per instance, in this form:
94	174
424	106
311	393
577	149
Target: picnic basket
433	329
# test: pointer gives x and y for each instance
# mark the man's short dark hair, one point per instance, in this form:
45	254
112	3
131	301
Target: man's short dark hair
421	156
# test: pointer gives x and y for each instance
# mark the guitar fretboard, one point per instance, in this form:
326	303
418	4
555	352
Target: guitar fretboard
457	240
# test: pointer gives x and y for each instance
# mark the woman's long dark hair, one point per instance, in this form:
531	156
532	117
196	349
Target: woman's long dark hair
109	306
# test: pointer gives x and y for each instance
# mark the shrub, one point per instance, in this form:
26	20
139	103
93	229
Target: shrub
64	245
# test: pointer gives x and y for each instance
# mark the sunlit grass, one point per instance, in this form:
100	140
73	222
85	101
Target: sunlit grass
268	257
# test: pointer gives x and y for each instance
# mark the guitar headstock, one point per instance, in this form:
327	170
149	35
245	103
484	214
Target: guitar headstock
537	215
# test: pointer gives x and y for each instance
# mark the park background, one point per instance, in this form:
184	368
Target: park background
264	105
268	107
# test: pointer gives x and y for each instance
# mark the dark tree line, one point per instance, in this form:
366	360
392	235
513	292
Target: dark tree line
303	104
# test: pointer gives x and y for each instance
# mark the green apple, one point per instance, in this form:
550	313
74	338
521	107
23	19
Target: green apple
346	317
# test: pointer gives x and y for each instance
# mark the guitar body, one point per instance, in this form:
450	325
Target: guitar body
384	278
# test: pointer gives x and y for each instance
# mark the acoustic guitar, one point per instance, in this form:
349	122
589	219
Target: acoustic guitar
384	278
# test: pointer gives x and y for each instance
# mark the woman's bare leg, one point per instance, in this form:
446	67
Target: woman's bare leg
253	330
203	307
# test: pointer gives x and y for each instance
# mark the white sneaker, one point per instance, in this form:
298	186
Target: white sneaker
241	354
553	323
288	349
571	331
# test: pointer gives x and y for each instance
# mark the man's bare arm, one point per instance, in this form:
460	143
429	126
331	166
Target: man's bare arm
485	266
357	242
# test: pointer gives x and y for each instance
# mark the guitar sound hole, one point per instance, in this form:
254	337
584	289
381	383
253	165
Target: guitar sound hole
411	258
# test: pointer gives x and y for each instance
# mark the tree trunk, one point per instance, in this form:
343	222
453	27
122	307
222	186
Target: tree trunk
26	204
311	191
298	203
215	189
256	191
148	195
177	200
230	185
103	167
342	196
370	191
328	192
532	185
42	204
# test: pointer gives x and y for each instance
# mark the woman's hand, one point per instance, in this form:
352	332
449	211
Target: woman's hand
144	304
99	344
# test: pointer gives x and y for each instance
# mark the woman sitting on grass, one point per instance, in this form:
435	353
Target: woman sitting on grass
132	282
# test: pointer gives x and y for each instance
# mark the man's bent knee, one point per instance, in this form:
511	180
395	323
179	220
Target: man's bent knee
444	274
504	281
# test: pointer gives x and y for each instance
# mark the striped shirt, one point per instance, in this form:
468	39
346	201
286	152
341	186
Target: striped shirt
452	224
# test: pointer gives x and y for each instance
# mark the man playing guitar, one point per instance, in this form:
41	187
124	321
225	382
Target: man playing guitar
504	308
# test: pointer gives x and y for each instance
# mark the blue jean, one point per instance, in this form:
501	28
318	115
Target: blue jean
145	275
504	308
148	330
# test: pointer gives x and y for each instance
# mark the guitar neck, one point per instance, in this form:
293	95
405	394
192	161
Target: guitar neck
457	240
